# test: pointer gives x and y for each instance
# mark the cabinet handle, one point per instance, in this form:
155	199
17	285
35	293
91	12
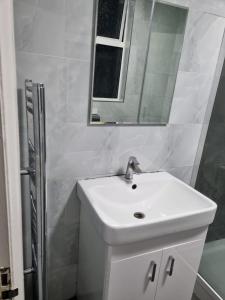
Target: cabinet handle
170	268
152	272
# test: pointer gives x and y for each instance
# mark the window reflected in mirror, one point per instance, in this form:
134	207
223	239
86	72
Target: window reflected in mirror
137	50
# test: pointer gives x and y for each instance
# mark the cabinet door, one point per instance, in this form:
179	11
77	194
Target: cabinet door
178	271
134	278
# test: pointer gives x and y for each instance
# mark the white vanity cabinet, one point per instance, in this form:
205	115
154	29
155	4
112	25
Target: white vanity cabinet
140	240
135	277
167	274
163	268
178	271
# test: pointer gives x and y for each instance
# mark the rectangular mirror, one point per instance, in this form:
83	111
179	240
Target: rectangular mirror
137	49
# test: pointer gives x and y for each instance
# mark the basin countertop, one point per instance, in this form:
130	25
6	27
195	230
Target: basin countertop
153	204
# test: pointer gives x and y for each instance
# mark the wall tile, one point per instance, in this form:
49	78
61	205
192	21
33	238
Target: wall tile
35	26
78	29
184	173
56	28
24	14
200	55
53	42
61	197
149	144
52	72
77	85
62	245
57	7
72	137
183	145
62	283
216	7
191	97
158	148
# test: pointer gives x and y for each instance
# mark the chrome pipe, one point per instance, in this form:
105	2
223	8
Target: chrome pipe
28	271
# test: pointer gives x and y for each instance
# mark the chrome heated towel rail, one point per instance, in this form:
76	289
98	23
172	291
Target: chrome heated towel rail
35	113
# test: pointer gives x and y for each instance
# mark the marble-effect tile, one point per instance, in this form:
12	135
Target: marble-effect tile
53	45
191	97
200	55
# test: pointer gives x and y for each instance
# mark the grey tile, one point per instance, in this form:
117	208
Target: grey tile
183	145
52	72
39	29
198	54
62	283
57	28
194	297
78	30
215	7
56	6
62	28
149	144
78	90
183	173
69	138
62	206
191	97
62	245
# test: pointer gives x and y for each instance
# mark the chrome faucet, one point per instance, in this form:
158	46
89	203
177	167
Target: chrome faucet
132	167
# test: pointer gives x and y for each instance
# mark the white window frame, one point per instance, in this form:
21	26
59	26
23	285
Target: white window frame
118	43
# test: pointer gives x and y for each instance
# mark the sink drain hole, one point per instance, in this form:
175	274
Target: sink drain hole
134	186
139	215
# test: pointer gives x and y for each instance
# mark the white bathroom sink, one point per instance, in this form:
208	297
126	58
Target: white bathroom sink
164	204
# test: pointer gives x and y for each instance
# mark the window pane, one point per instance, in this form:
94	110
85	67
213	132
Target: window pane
107	71
110	14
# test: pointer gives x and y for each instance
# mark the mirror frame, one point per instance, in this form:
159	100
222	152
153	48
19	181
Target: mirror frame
92	69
